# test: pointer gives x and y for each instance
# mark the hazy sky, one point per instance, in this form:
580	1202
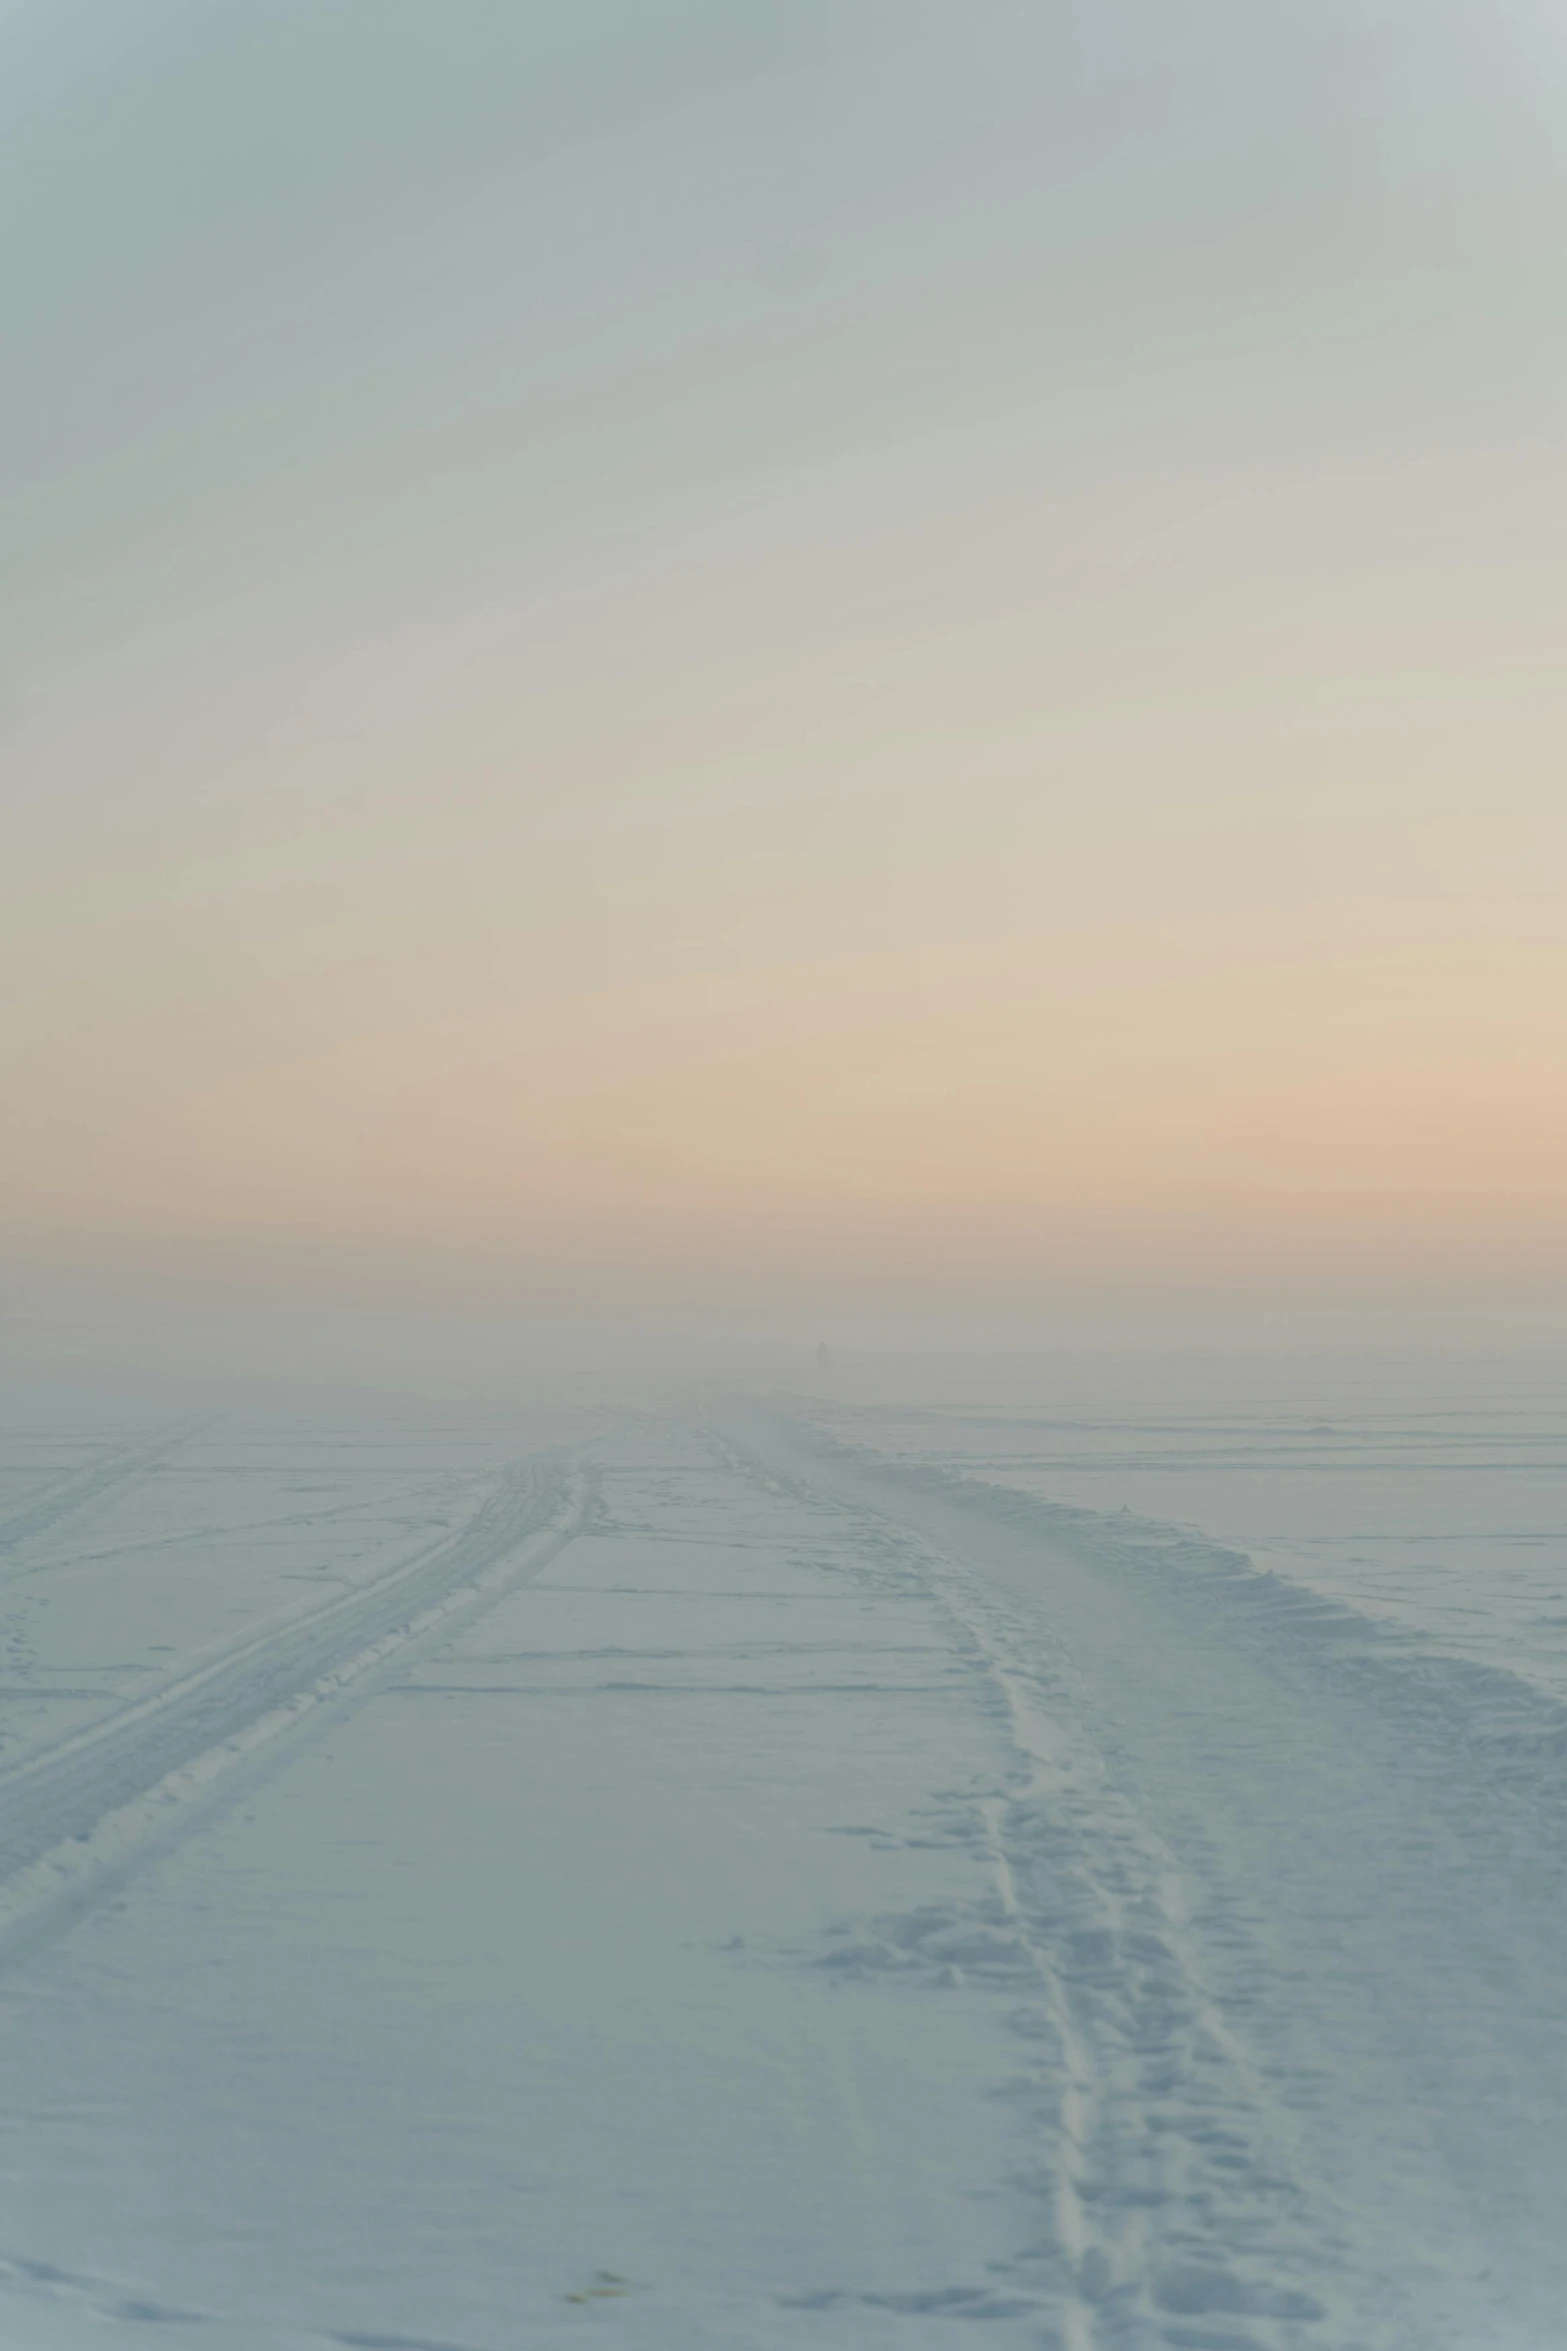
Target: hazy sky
707	650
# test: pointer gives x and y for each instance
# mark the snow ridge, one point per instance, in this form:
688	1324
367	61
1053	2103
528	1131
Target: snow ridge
1508	1735
1173	2202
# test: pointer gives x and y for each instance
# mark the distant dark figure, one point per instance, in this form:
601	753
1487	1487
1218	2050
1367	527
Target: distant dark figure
823	1359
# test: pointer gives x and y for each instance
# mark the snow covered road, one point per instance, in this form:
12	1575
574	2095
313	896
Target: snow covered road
1318	2003
727	1887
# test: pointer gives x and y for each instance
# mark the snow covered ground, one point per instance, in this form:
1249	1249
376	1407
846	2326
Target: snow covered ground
822	1870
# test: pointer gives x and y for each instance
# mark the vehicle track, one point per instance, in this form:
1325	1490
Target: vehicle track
79	1487
80	1809
1246	1932
226	1531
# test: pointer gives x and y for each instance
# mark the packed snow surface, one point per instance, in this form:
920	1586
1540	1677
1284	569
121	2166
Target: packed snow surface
824	1869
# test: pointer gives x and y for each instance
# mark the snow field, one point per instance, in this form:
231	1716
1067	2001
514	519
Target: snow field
723	1885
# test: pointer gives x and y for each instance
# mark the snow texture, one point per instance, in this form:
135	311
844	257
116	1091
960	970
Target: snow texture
785	1872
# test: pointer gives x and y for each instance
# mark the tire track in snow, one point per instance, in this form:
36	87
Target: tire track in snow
82	1813
90	1483
220	1531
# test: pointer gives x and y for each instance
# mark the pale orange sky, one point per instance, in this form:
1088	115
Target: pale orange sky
725	654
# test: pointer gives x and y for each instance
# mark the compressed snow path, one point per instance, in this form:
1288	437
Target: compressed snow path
725	1888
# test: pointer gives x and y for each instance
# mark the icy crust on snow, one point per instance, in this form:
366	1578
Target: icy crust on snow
1508	1731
